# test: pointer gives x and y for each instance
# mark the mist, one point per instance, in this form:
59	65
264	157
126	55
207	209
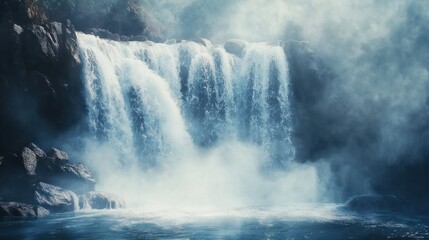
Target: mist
359	123
228	176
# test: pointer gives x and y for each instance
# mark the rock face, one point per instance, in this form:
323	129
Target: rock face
39	82
14	209
55	198
121	18
99	200
309	78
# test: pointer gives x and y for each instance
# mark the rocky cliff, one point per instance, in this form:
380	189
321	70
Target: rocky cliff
40	86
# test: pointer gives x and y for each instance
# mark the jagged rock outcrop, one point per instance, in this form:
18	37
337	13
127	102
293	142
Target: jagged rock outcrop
55	199
100	200
73	176
109	18
40	82
33	181
14	209
235	46
309	80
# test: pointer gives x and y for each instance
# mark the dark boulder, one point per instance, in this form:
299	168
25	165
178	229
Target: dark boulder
58	155
100	200
203	41
33	166
29	160
55	199
102	33
73	176
315	133
235	47
39	152
14	209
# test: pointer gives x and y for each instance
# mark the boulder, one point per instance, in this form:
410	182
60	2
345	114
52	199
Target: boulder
171	41
39	152
100	200
102	33
374	203
235	47
75	177
203	41
55	199
29	161
57	154
14	209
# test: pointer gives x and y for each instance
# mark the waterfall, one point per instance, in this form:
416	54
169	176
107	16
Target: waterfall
150	101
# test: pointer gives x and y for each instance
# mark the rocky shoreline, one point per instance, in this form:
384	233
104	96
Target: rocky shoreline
34	183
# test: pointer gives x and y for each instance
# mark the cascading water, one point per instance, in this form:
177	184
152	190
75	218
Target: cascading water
152	99
194	124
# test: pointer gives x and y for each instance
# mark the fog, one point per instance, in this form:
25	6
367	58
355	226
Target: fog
371	111
365	130
228	176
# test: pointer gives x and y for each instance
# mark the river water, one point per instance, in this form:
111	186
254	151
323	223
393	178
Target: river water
321	221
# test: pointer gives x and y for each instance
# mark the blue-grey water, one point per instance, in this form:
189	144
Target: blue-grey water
316	222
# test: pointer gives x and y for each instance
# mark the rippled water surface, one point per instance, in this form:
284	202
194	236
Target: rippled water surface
299	222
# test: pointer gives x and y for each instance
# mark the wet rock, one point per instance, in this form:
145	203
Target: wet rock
76	177
235	47
55	199
102	33
17	29
57	154
374	203
139	38
100	200
309	78
203	41
39	152
29	160
170	41
39	72
14	209
42	44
